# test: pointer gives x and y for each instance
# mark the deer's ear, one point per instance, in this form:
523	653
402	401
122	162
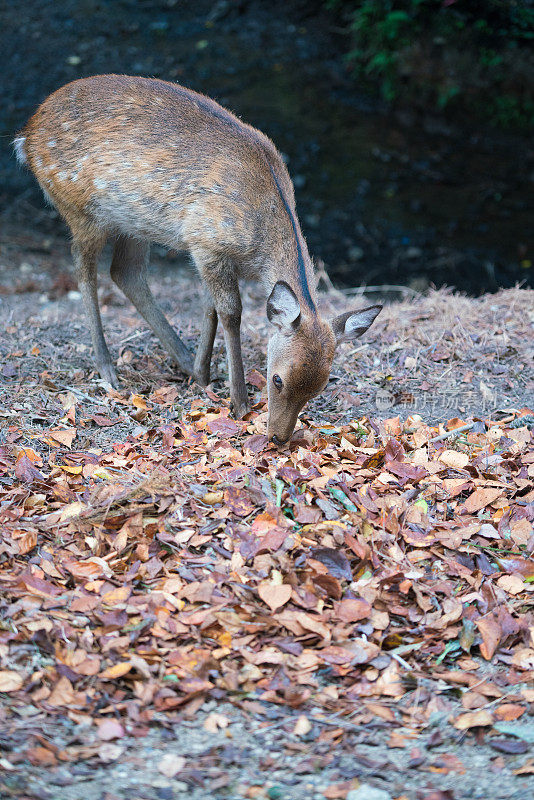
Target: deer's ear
352	324
283	308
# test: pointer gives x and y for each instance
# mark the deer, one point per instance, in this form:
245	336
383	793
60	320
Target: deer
146	161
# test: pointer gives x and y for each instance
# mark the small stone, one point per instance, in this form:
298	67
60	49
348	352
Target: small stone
275	793
366	792
171	764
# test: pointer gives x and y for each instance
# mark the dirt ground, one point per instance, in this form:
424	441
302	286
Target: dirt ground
259	756
440	355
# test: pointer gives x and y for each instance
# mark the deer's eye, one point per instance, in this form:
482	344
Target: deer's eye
277	380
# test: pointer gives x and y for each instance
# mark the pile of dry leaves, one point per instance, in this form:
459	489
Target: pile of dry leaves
367	564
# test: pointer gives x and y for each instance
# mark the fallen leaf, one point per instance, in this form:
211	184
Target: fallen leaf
453	459
10	681
491	632
352	610
274	596
481	498
473	719
215	722
117	670
109	729
335	561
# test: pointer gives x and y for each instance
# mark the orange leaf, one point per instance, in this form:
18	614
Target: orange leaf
509	711
117	670
139	402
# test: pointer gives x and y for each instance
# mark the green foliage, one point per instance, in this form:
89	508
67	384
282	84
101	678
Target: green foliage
446	53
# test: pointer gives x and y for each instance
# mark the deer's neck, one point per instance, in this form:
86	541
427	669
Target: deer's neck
294	266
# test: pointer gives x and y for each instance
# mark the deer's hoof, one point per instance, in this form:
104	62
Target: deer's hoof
240	408
108	375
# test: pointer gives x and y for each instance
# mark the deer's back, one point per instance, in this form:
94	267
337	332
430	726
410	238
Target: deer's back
155	160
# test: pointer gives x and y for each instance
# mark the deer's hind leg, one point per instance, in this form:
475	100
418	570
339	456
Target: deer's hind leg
87	245
128	270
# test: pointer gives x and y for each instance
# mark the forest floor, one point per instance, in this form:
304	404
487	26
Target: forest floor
397	651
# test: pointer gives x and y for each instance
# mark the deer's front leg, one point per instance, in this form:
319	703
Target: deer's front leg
220	277
228	305
205	345
232	336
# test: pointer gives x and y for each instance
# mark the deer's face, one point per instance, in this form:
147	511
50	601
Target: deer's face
300	354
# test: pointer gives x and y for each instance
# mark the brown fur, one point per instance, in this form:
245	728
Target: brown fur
146	160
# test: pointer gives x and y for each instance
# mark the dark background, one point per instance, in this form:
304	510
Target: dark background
395	185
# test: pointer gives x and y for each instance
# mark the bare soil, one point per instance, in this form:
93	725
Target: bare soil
440	355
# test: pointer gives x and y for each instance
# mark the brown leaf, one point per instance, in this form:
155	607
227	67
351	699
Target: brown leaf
275	596
41	757
473	719
335	561
352	610
224	427
104	422
62	694
481	498
61	436
517	566
302	726
330	585
238	501
257	442
85	570
26	472
491	633
454	459
10	681
256	379
26	540
512	584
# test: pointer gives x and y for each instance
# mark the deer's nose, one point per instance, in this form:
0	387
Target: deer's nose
275	440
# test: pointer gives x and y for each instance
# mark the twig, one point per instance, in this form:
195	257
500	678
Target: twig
452	433
386	287
95	400
401	661
322	275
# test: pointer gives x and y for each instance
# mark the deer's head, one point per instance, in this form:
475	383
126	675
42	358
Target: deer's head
300	354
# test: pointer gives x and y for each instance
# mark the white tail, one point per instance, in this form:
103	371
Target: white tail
18	144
